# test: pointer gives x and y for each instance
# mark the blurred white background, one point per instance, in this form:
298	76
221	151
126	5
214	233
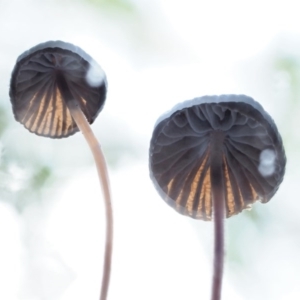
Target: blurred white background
155	54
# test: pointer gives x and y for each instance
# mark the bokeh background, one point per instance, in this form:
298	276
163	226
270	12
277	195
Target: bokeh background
155	54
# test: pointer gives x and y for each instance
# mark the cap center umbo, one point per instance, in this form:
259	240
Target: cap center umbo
217	161
63	86
217	139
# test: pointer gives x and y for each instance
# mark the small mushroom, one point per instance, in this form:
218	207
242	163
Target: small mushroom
57	89
212	157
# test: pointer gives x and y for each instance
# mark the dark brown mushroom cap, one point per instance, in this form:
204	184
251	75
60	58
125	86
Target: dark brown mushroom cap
36	99
252	154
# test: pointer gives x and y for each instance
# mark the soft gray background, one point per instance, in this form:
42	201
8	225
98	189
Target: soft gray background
156	54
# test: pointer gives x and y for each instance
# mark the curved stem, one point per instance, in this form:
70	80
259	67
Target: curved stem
87	132
217	187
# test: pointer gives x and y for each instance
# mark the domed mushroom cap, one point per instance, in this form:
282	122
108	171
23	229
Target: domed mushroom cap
252	154
36	99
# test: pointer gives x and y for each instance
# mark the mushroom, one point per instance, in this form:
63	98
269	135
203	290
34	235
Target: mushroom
57	89
212	157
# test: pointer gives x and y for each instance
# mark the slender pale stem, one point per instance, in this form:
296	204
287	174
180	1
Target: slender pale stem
87	132
217	187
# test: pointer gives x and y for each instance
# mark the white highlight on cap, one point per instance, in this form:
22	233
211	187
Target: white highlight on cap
267	162
95	75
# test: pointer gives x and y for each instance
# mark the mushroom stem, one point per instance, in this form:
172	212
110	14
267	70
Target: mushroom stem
217	187
86	130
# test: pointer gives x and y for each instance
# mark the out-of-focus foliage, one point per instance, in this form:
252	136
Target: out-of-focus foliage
3	120
289	66
22	178
117	5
